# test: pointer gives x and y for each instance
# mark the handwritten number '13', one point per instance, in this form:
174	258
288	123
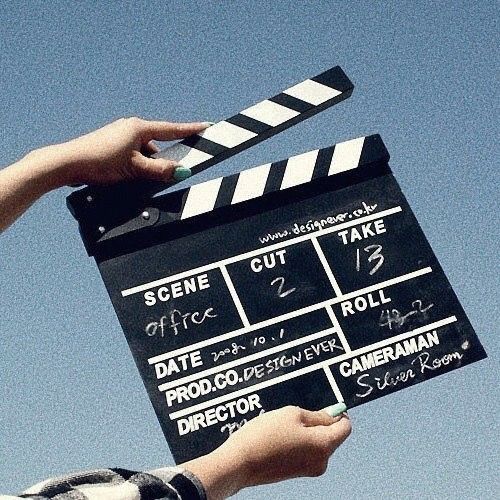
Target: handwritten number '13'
376	255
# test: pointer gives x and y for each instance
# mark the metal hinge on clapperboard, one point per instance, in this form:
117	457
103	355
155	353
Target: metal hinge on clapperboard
107	213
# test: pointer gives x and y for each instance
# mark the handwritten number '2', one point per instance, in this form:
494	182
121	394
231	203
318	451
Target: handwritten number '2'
375	255
281	284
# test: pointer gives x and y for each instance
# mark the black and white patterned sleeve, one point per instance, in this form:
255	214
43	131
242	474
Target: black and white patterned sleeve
119	484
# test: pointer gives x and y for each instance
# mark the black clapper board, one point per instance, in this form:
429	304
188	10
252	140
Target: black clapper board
306	281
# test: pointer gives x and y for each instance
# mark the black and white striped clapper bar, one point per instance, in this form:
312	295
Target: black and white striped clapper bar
305	281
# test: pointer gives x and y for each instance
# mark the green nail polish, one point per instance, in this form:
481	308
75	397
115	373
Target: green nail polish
181	173
336	410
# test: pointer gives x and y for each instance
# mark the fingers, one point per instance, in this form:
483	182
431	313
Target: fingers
336	409
157	169
335	434
313	418
167	131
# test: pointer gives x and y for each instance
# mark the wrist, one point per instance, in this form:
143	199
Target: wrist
221	474
50	165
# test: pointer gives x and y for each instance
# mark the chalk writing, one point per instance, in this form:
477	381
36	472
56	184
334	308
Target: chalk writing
422	363
381	383
281	283
231	427
392	318
177	321
261	339
234	350
283	361
375	255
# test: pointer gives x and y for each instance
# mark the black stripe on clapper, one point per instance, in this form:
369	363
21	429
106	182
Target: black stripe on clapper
226	191
248	123
335	78
291	102
323	162
275	177
202	144
374	150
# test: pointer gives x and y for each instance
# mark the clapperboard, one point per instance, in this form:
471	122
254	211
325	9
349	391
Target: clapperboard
306	281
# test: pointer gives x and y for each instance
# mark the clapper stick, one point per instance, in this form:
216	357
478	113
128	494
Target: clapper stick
219	142
306	281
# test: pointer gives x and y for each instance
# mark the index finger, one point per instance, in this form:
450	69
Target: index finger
168	131
335	434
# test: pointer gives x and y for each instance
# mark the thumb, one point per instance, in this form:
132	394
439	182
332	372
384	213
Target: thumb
154	169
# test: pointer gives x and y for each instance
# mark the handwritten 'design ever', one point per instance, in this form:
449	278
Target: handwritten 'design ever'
304	282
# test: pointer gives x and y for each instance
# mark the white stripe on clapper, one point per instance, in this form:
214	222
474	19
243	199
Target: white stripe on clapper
185	155
235	297
270	112
333	384
251	183
346	155
299	169
227	134
312	92
201	198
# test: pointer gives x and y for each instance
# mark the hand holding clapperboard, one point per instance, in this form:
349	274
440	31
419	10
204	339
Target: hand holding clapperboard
303	281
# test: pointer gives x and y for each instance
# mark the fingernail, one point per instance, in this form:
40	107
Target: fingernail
208	124
181	173
336	410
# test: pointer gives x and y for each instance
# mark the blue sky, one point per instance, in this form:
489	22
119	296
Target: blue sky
425	76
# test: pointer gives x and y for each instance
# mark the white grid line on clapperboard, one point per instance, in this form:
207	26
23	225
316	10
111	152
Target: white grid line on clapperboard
292	314
282	347
336	288
326	266
318	366
333	383
234	295
336	324
259	251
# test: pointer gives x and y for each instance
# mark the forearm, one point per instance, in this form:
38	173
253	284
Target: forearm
23	182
